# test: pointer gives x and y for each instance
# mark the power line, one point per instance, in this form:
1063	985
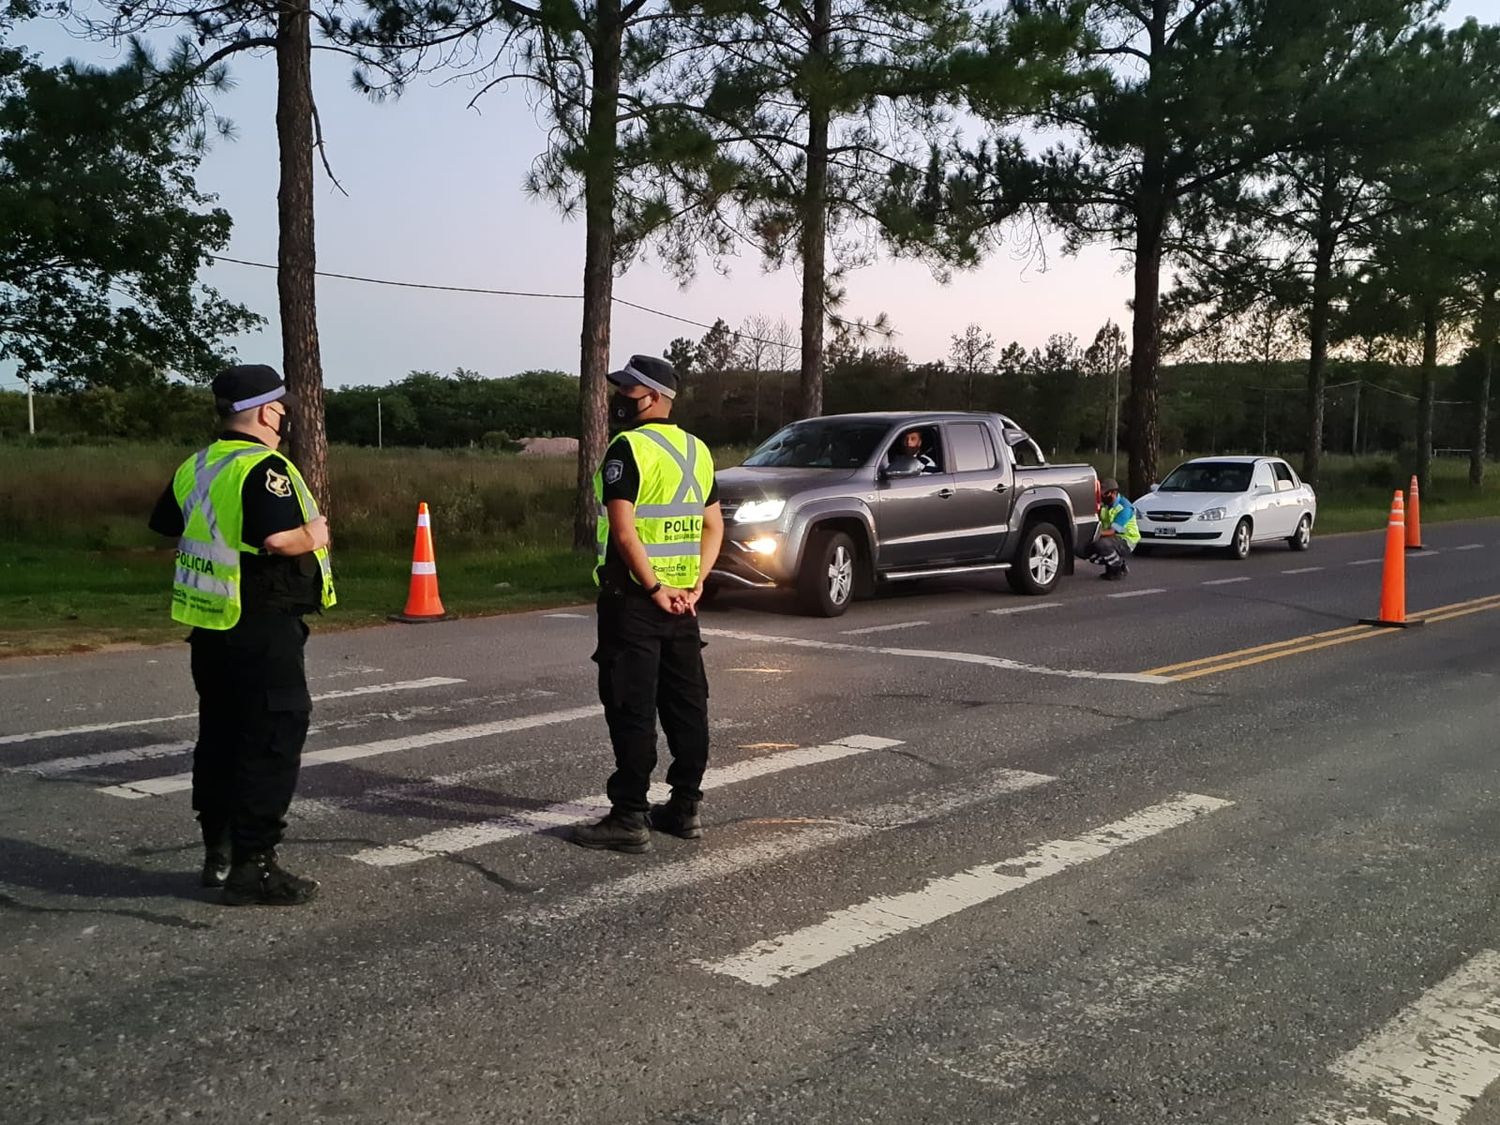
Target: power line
512	293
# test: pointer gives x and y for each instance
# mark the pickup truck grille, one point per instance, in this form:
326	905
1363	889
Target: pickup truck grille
1168	517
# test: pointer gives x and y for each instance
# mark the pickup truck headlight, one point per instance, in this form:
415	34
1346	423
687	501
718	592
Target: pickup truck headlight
759	511
1212	514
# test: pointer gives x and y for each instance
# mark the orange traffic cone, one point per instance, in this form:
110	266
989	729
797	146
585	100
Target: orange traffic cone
1414	518
423	603
1393	580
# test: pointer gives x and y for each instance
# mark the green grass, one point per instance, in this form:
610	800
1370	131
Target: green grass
81	569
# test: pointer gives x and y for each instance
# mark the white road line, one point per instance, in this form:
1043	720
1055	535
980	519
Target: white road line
1227	581
1434	1059
346	693
712	865
448	841
1302	570
178	782
1470	547
1364	562
882	628
57	767
1425	552
350	670
1140	593
886	916
568	616
1008	610
933	654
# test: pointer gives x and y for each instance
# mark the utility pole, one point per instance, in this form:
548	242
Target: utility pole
379	425
1354	438
30	410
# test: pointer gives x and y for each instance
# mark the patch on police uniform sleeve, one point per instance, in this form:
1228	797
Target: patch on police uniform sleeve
278	484
613	471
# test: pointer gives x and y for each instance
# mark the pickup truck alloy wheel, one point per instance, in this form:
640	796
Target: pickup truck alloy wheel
1040	561
826	583
1301	539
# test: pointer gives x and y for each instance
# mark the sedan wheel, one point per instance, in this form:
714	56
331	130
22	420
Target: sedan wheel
1239	544
1301	539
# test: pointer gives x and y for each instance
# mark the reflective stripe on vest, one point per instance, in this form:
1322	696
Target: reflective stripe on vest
675	485
208	487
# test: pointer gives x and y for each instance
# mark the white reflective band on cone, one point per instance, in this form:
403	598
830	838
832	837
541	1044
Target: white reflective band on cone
423	568
424	521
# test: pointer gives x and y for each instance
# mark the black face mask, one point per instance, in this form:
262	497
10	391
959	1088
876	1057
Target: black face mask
284	430
623	410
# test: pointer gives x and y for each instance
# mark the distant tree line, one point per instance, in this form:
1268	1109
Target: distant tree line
1061	393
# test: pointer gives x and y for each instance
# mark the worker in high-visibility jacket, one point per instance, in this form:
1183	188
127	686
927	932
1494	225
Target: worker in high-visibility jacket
1118	532
252	559
659	534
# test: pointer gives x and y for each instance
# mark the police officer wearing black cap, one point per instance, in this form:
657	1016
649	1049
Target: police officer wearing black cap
659	534
252	559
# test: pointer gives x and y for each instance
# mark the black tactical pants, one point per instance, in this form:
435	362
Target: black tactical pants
650	665
253	712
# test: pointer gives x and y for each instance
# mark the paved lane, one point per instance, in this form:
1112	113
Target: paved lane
934	888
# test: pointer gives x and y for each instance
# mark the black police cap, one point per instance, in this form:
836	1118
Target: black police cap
647	371
247	386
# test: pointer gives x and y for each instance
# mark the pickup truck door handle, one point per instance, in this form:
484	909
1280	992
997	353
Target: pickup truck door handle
1002	487
945	494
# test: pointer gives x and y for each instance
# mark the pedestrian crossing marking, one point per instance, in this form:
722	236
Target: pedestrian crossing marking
883	917
449	841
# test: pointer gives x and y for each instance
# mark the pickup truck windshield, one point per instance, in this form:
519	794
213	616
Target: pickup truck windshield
820	444
1208	476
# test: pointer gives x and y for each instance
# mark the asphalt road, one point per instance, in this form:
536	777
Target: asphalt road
1188	848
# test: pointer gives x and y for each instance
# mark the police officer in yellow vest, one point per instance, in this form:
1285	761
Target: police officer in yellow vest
1118	532
252	558
659	534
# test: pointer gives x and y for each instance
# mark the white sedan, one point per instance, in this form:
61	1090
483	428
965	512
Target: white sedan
1229	503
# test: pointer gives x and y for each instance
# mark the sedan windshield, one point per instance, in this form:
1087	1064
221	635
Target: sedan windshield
820	443
1209	476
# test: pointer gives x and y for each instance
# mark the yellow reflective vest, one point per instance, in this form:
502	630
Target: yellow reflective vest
208	488
677	475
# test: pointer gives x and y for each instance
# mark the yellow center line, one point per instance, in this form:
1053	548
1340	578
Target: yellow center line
1260	654
1186	664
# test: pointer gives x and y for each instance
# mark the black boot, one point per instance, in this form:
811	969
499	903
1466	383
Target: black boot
677	817
215	852
620	831
258	880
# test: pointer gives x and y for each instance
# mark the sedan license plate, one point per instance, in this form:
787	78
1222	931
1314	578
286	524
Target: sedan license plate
1166	532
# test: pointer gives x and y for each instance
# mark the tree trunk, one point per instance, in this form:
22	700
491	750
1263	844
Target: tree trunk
1145	356
296	252
1489	328
815	217
1429	394
1318	315
598	266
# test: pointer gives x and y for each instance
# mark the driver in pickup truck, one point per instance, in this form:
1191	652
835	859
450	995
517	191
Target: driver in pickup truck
911	446
1118	533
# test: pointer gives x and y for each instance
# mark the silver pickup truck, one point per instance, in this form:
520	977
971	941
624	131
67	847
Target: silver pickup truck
835	506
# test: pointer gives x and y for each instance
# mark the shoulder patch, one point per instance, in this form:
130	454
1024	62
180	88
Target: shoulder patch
613	471
278	484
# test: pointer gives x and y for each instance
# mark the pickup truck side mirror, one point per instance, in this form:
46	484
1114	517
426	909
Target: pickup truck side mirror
901	468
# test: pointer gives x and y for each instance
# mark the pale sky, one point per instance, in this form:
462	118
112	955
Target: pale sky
435	196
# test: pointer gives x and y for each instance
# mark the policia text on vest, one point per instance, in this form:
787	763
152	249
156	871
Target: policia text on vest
251	559
659	532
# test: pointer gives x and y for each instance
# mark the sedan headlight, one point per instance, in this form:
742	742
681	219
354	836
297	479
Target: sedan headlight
759	511
1212	514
